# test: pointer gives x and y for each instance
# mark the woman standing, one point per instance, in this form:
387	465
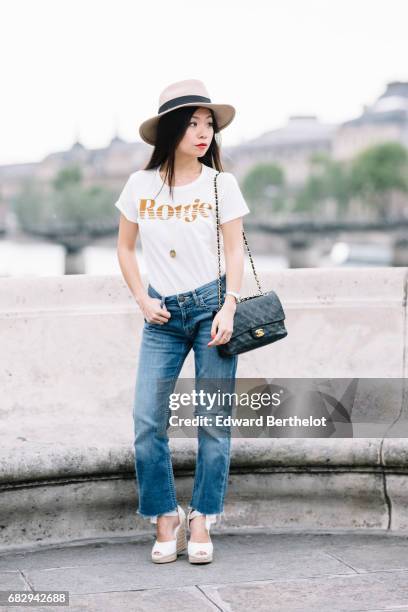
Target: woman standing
172	202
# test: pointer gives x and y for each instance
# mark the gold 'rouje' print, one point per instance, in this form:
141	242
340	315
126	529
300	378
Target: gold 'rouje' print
164	212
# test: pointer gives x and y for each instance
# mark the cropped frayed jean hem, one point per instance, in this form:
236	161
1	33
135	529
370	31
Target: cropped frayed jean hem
211	518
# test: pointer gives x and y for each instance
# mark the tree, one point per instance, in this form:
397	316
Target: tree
377	172
68	213
263	187
329	180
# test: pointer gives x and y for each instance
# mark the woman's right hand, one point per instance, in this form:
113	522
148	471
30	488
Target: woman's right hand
152	312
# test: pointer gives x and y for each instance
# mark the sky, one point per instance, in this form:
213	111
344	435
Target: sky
84	69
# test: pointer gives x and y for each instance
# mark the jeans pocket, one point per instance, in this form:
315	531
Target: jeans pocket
209	301
147	324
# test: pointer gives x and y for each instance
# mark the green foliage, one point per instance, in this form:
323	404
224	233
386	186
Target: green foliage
67	177
263	188
371	176
379	169
377	172
68	201
329	179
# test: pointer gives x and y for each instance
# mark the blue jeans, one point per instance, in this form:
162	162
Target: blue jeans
162	353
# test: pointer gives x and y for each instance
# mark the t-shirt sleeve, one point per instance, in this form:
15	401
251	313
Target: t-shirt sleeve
126	201
231	202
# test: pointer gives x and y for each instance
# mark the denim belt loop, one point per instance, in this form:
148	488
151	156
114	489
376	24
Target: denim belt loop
195	297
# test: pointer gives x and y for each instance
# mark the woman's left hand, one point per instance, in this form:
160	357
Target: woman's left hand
224	320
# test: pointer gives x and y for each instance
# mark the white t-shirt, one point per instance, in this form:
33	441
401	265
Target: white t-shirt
179	236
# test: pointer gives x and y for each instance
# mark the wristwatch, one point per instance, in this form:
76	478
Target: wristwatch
235	294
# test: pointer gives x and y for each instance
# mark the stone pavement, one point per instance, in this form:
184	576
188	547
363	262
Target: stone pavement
251	570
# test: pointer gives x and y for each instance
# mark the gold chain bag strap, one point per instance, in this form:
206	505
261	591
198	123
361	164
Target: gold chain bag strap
258	319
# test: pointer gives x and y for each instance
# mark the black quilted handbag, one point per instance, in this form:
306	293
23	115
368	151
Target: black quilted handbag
258	319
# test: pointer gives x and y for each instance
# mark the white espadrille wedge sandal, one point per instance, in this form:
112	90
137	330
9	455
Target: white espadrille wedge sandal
164	552
200	552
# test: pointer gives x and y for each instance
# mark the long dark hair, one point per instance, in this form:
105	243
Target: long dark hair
170	131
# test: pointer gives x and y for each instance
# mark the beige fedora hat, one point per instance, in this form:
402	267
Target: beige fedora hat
190	92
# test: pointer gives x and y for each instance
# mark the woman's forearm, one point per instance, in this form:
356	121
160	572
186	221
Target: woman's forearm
234	269
131	273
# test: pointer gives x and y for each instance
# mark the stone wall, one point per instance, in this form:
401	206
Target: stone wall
67	371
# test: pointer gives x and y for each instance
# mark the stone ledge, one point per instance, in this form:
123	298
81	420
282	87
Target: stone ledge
60	494
36	461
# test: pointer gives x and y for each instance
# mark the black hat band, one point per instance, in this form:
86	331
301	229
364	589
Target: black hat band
182	100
